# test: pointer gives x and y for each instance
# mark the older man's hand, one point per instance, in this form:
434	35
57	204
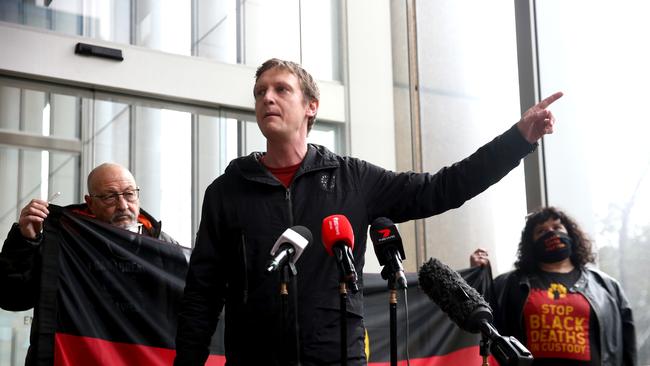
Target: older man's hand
479	258
32	217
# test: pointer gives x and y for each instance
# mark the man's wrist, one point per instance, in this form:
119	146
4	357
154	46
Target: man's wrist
36	240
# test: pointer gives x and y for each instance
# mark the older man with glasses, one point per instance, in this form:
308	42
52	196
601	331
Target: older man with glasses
113	197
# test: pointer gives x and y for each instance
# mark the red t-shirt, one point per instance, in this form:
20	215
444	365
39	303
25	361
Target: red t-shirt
559	325
284	175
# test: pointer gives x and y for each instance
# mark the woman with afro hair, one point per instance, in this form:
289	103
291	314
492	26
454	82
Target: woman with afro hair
564	311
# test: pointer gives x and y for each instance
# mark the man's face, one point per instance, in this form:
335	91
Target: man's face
280	106
115	209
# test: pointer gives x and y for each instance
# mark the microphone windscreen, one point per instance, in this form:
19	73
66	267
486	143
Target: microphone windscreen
464	305
298	237
386	240
336	229
304	232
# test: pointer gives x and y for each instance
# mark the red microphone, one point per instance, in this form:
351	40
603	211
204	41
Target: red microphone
337	229
338	239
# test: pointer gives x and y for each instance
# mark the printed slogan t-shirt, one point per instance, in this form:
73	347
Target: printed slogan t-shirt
561	328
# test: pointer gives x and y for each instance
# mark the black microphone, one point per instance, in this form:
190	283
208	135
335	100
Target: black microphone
289	247
467	308
464	305
389	250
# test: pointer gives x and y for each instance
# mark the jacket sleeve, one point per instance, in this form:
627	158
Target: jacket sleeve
507	302
19	272
205	286
627	321
409	195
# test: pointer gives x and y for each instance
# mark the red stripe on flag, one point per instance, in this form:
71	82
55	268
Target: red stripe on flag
463	356
70	350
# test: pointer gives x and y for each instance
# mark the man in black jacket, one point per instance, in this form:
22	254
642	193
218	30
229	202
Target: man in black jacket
294	183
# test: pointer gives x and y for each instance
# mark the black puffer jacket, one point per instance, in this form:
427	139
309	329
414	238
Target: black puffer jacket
605	297
246	209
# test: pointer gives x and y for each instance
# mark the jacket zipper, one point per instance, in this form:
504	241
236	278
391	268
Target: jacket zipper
287	197
245	272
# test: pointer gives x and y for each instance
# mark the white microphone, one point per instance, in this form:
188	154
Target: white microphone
289	247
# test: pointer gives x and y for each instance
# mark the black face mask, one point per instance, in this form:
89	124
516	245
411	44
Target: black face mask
553	246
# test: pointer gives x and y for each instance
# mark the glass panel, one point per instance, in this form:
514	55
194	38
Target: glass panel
14	337
38	112
271	29
65	115
163	168
216	30
325	134
9	108
321	38
37	174
111	133
35	112
598	161
216	146
164	25
252	138
107	20
219	34
469	94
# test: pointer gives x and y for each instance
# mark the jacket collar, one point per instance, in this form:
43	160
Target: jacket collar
151	225
581	283
317	158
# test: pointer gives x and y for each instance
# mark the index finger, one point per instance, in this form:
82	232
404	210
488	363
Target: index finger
37	202
550	99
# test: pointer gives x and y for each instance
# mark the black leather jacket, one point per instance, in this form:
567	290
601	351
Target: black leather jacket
246	209
605	296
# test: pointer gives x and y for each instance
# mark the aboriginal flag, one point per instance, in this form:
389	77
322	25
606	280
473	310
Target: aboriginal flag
433	339
110	297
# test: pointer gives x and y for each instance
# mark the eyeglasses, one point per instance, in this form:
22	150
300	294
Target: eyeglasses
111	199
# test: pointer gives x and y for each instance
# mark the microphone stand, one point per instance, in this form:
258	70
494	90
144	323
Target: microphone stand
392	305
343	295
347	278
484	349
390	274
287	273
508	351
